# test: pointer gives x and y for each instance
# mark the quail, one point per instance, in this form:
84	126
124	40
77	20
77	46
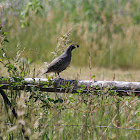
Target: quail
62	62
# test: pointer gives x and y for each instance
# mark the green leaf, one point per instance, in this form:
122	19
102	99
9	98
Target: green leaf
79	90
30	61
5	33
92	77
5	39
82	86
3	55
51	100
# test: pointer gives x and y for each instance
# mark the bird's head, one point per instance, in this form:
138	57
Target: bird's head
73	46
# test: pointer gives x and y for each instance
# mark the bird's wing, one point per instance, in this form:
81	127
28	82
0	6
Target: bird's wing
56	63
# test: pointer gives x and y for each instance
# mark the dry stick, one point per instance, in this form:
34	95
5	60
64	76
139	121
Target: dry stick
6	100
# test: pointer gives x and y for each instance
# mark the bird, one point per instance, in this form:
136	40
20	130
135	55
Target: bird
62	62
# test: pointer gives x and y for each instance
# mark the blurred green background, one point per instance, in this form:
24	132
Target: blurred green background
108	29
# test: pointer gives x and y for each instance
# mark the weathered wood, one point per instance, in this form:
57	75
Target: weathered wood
73	86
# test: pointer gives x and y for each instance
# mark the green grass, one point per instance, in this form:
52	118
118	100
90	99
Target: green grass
109	30
108	35
78	117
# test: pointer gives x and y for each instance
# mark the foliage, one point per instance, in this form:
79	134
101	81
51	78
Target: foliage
63	116
108	29
67	116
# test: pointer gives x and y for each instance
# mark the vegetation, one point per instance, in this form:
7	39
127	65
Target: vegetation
109	30
108	35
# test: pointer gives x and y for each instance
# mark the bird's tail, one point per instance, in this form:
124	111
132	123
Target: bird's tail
44	72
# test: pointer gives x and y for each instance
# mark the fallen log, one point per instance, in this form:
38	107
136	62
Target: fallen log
72	86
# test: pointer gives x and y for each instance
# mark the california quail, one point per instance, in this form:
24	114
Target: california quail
62	62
